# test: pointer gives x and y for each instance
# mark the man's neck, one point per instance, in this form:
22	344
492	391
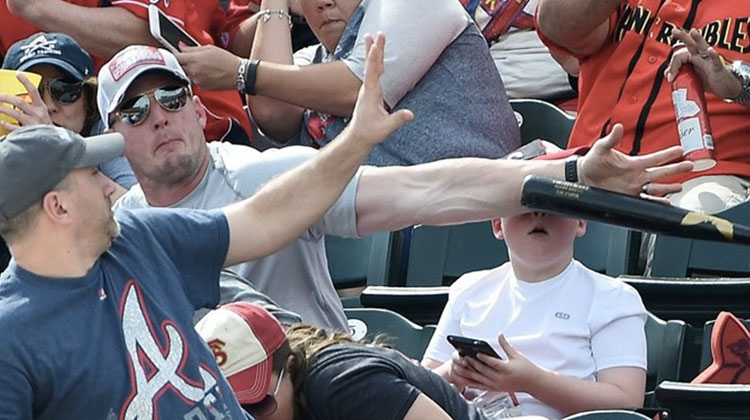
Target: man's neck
165	195
54	258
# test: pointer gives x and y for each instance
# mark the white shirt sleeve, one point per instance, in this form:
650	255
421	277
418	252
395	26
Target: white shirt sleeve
416	31
618	336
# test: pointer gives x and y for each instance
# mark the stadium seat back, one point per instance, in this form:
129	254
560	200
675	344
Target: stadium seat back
404	335
542	120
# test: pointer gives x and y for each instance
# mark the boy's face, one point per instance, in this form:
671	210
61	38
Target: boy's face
538	237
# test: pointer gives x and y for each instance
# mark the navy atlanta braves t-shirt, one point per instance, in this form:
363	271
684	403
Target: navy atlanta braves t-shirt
119	343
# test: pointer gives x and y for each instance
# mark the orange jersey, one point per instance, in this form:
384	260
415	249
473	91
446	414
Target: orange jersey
205	20
624	81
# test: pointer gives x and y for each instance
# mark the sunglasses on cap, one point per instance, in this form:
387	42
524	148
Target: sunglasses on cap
268	404
62	90
135	110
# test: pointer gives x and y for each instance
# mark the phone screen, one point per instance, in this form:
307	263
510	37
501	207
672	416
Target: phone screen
173	33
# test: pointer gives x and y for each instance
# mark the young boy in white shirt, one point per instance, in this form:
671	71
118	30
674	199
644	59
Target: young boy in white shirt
571	339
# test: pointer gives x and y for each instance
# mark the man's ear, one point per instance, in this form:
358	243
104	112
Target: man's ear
55	208
581	228
497	228
200	111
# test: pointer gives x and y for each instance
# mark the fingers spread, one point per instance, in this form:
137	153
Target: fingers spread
661	157
668	171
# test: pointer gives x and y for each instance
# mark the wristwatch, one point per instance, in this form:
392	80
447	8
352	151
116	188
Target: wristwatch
741	71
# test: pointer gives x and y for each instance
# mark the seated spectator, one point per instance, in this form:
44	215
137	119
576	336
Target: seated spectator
105	27
524	62
437	65
624	48
66	96
189	173
572	340
309	374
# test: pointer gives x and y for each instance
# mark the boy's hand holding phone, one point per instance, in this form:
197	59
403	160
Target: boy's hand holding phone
517	373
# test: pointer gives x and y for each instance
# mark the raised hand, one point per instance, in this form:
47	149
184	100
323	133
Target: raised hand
371	122
607	168
24	112
715	75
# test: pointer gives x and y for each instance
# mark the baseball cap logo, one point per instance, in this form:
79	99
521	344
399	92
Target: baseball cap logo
217	346
131	58
39	46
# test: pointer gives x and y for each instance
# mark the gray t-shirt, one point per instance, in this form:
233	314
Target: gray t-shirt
437	64
297	276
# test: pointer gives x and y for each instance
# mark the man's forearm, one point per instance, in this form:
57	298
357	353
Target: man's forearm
444	192
576	24
100	31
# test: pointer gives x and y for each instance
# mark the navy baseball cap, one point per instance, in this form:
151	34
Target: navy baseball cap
52	48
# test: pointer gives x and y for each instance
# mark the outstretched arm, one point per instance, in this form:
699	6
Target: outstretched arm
464	190
578	25
100	31
291	203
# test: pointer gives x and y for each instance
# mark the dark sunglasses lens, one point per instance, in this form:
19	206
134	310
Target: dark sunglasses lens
134	111
65	92
264	407
172	98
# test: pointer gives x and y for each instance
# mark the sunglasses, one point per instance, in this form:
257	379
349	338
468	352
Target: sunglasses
135	110
267	405
61	90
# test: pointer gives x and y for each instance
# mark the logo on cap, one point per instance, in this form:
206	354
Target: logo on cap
132	58
40	45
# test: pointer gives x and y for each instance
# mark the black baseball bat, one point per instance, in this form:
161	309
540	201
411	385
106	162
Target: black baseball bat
584	202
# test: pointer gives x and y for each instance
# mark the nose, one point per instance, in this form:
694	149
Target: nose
52	107
325	4
158	117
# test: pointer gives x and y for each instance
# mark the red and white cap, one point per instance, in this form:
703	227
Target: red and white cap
116	76
243	337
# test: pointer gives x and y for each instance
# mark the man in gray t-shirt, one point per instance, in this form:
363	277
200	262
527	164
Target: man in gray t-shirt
141	93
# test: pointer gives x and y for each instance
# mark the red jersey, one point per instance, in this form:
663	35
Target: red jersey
205	20
624	81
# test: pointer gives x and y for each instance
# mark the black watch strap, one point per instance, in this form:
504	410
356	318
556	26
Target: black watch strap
251	73
571	169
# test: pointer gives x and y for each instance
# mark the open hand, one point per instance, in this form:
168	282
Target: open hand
607	168
210	67
371	122
24	112
715	76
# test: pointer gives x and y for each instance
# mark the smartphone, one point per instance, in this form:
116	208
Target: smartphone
469	347
168	33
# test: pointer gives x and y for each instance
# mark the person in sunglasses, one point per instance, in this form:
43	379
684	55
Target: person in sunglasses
306	373
66	96
143	94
